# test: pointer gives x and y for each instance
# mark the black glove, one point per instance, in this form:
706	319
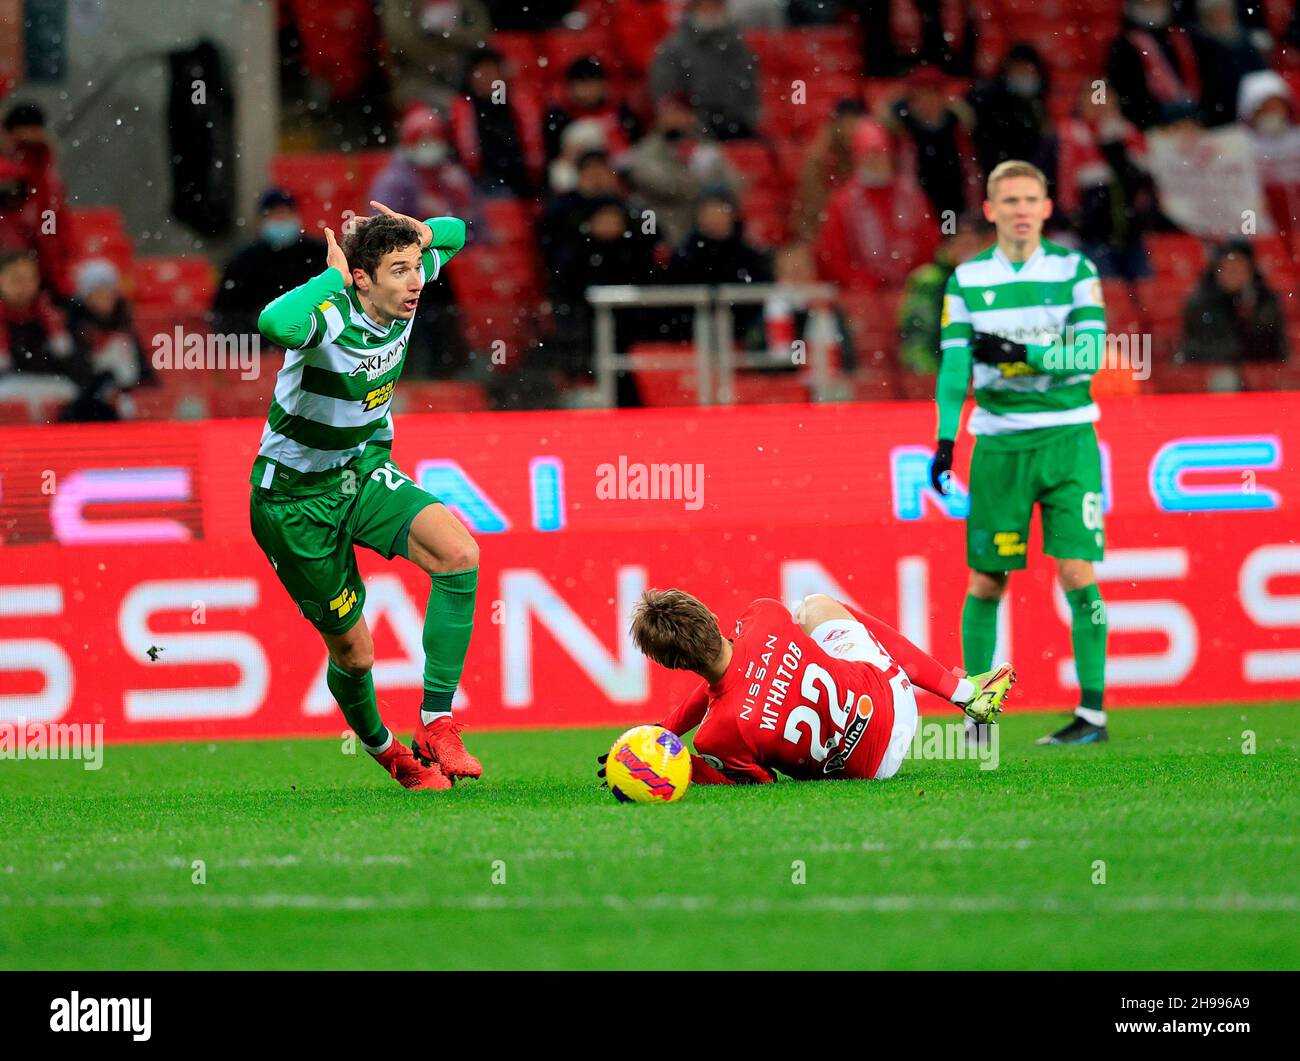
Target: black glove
994	350
601	759
941	465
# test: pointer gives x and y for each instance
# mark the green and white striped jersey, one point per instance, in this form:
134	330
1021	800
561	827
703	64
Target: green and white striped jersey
1053	305
332	406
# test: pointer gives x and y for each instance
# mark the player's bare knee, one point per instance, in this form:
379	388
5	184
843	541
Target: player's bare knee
356	660
1075	574
987	585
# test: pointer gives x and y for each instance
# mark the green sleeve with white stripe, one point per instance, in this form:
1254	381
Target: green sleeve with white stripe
448	239
1087	320
294	319
954	359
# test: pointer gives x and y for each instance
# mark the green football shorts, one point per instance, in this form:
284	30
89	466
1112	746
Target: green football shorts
1062	476
309	540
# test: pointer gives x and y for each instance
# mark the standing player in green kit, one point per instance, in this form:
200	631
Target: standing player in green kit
324	481
1024	321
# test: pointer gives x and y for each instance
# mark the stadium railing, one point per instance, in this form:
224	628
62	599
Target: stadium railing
715	356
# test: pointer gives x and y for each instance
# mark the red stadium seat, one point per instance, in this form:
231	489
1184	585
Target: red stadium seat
98	232
184	283
325	183
440	396
791	110
511	220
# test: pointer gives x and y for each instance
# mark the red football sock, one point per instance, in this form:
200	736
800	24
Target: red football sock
920	667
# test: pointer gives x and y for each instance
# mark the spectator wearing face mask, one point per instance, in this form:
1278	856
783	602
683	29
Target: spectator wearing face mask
1268	108
673	164
423	179
1233	315
1153	66
1266	105
878	227
707	59
1011	118
99	320
935	129
281	258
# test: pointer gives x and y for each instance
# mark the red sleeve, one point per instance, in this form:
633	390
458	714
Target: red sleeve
689	713
720	741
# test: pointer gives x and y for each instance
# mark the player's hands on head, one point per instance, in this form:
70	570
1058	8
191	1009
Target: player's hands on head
426	233
335	258
941	466
994	350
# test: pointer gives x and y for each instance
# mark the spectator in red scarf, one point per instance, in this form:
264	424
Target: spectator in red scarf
498	133
1153	66
34	338
878	227
33	206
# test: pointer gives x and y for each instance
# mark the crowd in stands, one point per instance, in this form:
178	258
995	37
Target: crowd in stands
712	142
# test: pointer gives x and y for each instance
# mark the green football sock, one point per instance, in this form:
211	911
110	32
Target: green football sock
448	622
355	694
1088	634
979	633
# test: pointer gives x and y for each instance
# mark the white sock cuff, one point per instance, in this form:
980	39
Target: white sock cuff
428	716
1088	714
965	691
381	748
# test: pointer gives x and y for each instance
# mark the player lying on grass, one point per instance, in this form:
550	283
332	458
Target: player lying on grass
324	481
825	694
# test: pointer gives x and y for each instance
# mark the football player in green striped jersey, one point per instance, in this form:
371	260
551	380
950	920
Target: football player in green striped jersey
1025	323
324	481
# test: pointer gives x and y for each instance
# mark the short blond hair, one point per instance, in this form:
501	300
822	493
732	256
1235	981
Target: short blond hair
1014	168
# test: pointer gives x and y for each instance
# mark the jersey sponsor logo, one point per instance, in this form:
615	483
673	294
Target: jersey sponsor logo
378	396
989	296
832	635
852	736
376	365
844	648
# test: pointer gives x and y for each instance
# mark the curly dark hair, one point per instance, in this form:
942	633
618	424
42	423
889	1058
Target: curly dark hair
373	237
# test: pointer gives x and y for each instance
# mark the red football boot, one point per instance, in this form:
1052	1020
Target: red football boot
440	742
408	771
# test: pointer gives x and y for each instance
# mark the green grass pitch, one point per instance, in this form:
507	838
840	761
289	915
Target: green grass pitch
313	859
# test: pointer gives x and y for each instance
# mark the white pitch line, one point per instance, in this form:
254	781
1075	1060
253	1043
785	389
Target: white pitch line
711	904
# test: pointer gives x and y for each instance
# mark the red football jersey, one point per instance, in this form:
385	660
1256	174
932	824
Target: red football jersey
788	704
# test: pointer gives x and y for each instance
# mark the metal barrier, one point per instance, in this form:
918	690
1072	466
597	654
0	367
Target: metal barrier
716	358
